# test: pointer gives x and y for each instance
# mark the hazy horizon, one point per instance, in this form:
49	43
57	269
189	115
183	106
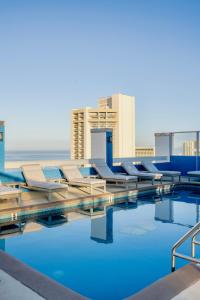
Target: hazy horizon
60	55
28	155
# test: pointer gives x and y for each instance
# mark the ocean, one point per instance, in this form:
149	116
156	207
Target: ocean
37	155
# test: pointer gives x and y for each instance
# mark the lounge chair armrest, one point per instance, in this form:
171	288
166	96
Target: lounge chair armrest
92	176
58	180
14	184
120	173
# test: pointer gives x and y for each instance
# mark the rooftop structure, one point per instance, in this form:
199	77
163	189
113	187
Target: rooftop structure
144	151
179	143
116	112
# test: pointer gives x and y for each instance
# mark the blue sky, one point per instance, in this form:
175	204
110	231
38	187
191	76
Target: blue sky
58	55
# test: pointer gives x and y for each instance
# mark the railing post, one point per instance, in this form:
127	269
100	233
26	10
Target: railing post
171	144
192	234
193	247
197	212
197	151
173	262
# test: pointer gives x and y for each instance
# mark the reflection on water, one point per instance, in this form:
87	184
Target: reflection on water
142	229
122	248
102	221
52	220
2	244
164	211
102	227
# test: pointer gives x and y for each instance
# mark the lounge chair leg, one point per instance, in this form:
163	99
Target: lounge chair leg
49	196
19	199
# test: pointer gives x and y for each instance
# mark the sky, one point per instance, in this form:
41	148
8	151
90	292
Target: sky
58	55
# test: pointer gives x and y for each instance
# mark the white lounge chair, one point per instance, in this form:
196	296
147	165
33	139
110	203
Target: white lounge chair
36	181
132	170
150	167
74	178
105	172
193	174
7	192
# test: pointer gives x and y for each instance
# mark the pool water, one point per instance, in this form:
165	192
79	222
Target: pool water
114	255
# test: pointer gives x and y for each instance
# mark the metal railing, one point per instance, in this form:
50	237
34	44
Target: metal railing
192	233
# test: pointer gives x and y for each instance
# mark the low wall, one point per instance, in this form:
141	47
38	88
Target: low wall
176	163
185	163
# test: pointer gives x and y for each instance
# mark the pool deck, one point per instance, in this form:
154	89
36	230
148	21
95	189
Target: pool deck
74	199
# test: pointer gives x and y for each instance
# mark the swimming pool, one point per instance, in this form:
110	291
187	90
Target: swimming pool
113	255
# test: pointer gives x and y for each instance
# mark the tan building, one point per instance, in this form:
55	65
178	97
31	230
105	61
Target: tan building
189	148
116	112
144	151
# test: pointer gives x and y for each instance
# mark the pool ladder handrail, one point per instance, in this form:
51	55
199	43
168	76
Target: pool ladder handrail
192	233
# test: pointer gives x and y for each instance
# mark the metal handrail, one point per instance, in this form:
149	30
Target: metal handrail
191	233
195	242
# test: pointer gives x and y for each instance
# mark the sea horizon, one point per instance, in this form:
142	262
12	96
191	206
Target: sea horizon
34	155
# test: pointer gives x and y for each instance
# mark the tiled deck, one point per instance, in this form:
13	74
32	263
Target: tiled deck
74	198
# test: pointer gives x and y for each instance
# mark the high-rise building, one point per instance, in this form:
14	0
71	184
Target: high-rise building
116	112
189	148
144	151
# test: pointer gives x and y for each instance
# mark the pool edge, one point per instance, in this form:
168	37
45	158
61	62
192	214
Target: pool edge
36	281
171	285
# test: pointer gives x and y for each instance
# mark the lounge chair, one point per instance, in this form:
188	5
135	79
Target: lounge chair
150	167
74	178
105	173
36	181
132	170
7	192
193	174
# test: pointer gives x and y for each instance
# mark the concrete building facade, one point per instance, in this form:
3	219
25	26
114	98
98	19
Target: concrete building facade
190	148
144	151
116	112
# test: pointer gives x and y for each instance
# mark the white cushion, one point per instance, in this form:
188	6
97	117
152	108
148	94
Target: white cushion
46	185
71	172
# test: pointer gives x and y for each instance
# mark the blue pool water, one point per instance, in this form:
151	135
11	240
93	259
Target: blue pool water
115	255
